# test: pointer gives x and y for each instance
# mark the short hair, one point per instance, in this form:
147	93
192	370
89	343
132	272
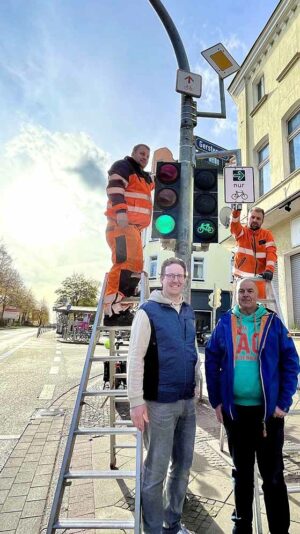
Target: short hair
171	261
259	210
136	147
241	280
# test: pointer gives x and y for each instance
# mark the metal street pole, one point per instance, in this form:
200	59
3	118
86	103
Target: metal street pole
184	243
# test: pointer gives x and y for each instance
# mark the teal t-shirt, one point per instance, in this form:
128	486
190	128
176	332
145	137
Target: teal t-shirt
247	385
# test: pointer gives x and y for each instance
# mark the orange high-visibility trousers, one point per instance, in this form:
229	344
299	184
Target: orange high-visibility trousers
127	258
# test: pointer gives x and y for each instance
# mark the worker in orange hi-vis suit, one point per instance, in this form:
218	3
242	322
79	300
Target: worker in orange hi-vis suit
256	250
129	210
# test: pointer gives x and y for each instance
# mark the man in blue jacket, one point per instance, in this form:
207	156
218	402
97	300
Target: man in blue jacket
161	384
251	371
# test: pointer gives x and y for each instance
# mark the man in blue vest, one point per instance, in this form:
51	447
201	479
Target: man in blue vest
161	384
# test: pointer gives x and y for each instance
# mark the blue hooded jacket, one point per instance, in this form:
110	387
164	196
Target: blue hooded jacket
278	359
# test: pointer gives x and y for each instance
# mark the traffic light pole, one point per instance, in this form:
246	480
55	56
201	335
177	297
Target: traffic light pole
183	248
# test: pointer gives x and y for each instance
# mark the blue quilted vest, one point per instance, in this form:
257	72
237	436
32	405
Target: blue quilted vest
169	372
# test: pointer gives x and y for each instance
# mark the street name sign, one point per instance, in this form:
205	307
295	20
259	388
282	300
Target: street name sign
239	185
188	83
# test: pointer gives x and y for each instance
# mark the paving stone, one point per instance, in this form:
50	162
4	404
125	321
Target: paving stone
21	446
33	508
6	483
44	469
3	495
31	457
14	504
14	462
41	435
19	489
37	494
35	449
27	439
29	526
50	459
9	521
25	476
28	466
18	453
38	441
9	472
41	480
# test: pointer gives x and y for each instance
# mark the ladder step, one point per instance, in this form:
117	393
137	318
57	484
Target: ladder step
108	359
115	328
105	393
81	431
293	489
120	375
121	399
99	474
123	422
92	523
125	446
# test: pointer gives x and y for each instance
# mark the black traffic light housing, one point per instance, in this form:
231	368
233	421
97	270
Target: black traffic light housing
166	200
205	210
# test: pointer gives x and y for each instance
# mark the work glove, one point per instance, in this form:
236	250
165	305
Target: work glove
267	275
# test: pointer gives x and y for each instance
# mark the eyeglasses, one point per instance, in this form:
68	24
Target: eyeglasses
172	276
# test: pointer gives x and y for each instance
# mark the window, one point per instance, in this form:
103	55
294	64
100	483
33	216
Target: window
294	141
198	269
260	89
153	267
264	170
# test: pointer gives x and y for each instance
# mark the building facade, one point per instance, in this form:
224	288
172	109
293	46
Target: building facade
266	91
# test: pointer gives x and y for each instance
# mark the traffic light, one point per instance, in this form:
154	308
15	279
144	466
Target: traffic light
166	201
205	211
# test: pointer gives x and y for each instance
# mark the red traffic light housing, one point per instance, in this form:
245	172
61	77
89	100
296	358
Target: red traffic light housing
166	201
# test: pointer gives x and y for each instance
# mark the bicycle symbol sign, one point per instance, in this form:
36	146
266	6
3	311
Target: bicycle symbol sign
239	184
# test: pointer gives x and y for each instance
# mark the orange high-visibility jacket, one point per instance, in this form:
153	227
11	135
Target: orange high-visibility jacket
129	191
256	250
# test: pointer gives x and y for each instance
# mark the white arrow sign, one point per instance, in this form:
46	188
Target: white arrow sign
188	83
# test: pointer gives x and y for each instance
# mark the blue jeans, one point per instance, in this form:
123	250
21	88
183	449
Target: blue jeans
169	439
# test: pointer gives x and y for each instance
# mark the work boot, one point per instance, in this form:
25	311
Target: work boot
121	319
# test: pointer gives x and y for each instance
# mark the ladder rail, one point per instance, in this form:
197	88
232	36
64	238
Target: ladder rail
58	495
75	430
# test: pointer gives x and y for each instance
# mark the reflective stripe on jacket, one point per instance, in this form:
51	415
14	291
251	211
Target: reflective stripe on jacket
256	249
129	190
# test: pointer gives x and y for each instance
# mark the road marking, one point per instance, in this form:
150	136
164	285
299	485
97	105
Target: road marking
6	354
4	437
47	392
58	351
57	359
54	370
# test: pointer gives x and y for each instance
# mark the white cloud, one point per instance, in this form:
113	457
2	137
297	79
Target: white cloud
52	218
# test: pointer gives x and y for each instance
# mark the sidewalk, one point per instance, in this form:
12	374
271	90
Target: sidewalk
27	481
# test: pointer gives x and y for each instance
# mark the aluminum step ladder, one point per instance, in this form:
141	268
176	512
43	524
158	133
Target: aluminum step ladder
271	302
66	475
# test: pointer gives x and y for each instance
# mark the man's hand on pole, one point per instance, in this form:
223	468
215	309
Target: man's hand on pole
139	415
122	219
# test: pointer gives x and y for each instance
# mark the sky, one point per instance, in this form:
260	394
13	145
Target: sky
82	82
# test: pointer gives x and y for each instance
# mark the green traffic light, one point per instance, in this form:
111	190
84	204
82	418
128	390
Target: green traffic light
165	224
